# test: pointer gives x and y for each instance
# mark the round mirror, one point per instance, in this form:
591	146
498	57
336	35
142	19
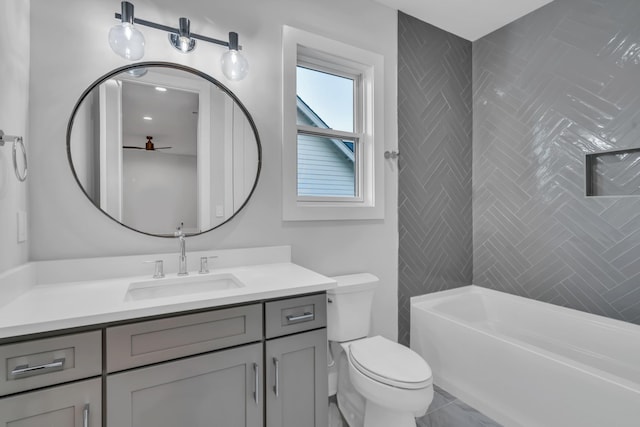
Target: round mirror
159	146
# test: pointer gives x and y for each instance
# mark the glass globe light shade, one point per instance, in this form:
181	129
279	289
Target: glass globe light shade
127	41
234	65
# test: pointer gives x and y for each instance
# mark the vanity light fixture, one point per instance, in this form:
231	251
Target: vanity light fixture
128	42
124	39
234	65
183	40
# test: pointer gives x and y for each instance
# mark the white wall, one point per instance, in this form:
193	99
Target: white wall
14	104
159	191
65	224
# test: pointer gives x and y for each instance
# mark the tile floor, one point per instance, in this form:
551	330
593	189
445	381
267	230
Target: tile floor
448	411
445	411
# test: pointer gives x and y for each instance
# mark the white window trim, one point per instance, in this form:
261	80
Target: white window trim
371	66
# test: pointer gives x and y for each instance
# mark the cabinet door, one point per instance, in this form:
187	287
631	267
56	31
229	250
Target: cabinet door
296	385
221	389
72	405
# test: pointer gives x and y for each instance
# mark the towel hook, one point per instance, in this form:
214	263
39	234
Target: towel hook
391	154
17	142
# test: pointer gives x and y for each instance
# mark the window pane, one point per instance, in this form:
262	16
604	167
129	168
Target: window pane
324	100
326	167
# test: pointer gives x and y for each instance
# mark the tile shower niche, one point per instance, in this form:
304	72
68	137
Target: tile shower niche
613	173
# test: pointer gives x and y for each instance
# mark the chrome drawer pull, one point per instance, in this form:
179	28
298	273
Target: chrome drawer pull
40	369
85	416
305	316
276	387
256	384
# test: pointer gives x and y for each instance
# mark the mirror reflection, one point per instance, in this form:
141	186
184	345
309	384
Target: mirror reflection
161	146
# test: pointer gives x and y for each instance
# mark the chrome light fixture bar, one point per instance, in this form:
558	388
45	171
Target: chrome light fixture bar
128	42
183	40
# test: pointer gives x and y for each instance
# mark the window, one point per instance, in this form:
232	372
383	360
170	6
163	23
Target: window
327	143
332	165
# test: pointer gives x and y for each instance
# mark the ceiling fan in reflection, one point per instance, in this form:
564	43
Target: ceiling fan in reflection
148	146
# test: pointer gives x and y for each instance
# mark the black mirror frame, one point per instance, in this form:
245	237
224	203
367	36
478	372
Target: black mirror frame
176	67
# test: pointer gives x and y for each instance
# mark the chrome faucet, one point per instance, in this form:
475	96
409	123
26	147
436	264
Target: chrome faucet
182	258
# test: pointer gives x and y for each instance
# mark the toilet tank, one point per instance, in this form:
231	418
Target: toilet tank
349	307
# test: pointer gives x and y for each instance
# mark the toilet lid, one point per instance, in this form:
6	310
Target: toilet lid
390	363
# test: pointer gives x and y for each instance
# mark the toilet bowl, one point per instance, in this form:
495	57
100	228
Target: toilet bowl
395	381
380	383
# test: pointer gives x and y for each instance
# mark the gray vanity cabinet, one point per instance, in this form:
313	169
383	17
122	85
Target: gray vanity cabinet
221	389
72	405
296	394
243	366
30	374
296	364
195	370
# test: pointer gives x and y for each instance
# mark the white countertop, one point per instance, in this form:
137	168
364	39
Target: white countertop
50	307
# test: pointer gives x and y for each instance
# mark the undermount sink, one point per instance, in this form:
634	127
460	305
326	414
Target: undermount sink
160	288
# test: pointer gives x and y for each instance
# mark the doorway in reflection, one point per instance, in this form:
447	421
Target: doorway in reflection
159	157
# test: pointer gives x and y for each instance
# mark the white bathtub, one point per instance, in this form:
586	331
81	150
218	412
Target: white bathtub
528	363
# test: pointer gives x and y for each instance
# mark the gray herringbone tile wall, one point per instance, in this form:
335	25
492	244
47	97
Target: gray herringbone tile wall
549	88
434	195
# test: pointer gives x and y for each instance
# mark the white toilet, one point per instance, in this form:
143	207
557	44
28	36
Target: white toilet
379	383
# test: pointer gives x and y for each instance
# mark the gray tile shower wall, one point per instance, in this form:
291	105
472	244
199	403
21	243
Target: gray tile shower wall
435	123
559	83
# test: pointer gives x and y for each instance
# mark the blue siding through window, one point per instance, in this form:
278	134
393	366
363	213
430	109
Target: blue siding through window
323	169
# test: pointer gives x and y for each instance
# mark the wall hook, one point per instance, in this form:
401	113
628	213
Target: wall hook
391	154
17	142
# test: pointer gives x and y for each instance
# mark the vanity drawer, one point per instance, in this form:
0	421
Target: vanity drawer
40	363
294	315
144	343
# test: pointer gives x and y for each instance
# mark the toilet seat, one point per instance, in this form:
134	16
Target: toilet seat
390	363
